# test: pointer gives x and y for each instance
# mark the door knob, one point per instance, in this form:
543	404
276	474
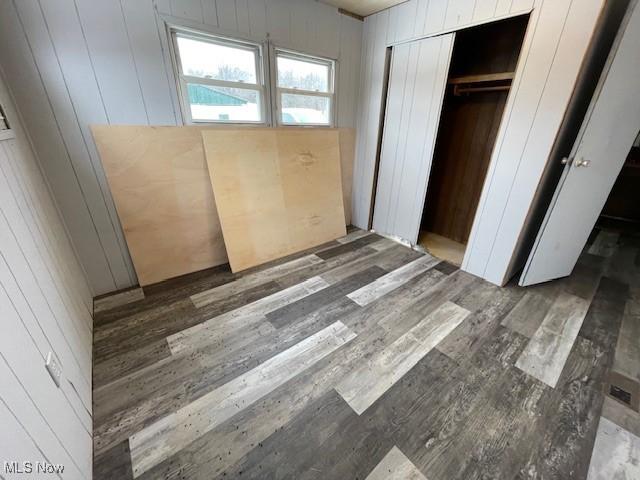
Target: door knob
581	162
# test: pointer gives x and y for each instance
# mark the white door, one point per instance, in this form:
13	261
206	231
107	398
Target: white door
417	82
607	134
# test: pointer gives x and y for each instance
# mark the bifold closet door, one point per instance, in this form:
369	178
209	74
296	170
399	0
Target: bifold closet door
607	134
417	82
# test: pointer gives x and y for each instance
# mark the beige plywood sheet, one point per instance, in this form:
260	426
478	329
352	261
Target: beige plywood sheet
278	191
347	154
160	184
159	181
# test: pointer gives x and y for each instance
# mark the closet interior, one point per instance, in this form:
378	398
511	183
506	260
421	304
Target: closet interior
481	71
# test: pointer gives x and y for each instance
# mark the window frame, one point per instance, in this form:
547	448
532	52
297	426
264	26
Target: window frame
278	91
183	79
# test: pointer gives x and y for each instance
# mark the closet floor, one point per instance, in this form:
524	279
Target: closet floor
365	359
442	247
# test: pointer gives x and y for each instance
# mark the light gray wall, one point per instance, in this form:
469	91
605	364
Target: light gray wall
73	63
557	38
45	305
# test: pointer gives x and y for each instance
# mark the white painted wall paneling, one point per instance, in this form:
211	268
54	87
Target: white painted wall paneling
45	305
412	20
545	81
554	46
73	63
606	136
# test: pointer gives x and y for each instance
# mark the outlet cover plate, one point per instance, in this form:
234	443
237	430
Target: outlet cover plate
54	368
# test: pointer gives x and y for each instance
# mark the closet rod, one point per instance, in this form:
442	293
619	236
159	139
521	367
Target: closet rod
458	90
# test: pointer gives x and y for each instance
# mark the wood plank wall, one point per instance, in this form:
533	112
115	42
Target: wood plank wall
45	305
555	44
72	63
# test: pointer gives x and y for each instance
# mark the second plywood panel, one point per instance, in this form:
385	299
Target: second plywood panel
278	191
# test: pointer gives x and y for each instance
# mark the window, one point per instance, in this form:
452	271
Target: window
304	89
220	80
223	80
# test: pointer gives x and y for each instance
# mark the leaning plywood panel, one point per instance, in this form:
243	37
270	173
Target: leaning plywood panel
347	154
278	191
160	183
158	178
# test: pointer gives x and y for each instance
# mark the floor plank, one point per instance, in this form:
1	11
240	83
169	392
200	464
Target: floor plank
160	440
368	383
355	235
392	280
291	311
427	357
242	317
549	348
251	280
616	453
627	356
395	466
604	244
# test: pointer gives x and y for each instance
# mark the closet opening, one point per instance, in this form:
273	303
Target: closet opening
482	68
621	212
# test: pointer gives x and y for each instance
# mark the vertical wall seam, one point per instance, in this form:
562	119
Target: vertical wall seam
50	308
114	223
55	283
93	68
488	183
133	59
44	419
31	203
504	208
24	429
66	147
56	207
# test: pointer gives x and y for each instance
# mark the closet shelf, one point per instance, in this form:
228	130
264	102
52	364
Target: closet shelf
488	77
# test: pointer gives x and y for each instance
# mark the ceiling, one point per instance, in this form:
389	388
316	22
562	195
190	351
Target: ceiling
363	7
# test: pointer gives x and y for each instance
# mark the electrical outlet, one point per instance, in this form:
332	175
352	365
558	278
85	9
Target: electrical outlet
54	368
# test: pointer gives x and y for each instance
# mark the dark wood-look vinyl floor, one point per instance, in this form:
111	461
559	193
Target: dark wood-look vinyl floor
364	359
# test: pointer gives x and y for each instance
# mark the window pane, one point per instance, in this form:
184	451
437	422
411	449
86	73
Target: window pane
209	103
301	109
303	75
219	62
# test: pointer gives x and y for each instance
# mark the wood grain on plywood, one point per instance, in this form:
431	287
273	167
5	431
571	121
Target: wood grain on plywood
158	178
160	183
278	191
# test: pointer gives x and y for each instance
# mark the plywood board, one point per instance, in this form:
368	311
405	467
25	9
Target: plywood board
160	184
278	191
158	178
